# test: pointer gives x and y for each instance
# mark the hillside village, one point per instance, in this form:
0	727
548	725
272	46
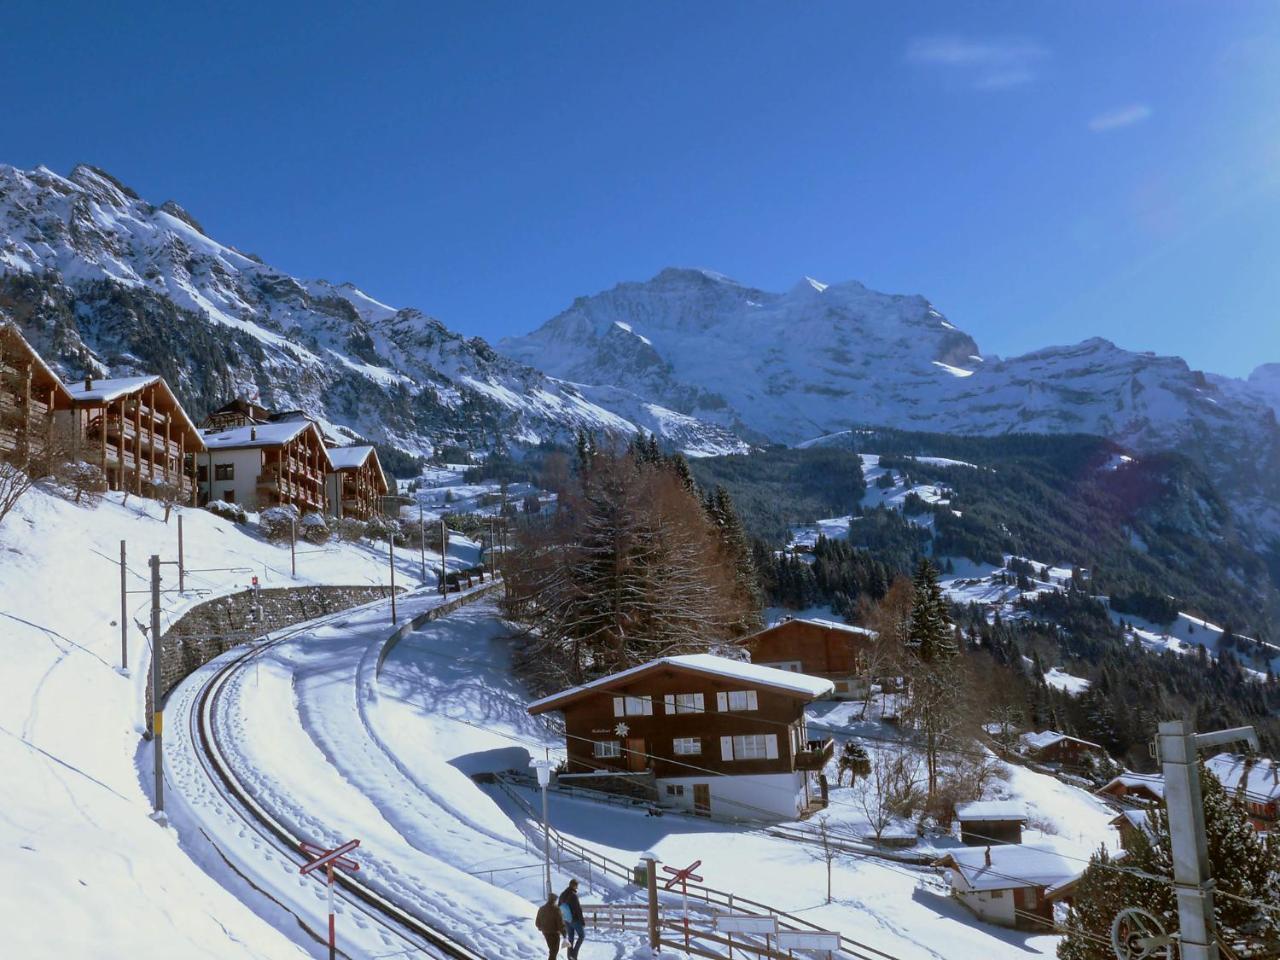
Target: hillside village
750	736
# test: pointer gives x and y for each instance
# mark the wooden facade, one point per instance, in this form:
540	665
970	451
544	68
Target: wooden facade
266	465
820	648
238	413
1049	746
30	396
136	432
357	484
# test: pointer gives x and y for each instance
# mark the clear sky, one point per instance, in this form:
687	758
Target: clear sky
1042	171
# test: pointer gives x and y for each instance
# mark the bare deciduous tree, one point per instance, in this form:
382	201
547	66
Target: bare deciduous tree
14	483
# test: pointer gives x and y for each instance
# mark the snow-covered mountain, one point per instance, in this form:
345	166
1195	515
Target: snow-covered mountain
101	279
820	359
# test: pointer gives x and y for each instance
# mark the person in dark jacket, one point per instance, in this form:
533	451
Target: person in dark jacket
576	924
551	924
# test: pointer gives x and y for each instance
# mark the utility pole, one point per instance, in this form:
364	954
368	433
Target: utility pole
391	561
293	547
124	613
1179	745
543	768
493	549
182	568
422	540
157	711
444	550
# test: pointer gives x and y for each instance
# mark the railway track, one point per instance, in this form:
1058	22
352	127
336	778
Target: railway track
357	897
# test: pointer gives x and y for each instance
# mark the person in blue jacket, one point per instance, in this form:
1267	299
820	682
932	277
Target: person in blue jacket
574	922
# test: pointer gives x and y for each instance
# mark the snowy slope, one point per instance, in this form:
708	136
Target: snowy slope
820	359
101	279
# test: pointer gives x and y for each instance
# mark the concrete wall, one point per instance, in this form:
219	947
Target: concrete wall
246	464
216	626
761	797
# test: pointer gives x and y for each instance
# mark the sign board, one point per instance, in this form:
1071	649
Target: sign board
324	857
733	923
809	940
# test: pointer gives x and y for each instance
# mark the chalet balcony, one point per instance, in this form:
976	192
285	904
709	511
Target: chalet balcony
815	754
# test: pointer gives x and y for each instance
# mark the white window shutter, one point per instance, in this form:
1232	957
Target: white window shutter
669	703
722	701
726	748
619	707
752	704
646	707
771	746
699	703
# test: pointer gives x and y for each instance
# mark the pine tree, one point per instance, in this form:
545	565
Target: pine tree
935	688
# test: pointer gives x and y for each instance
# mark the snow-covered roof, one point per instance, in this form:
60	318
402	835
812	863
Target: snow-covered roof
1153	782
104	391
1012	865
348	458
796	684
1047	738
1139	819
991	810
811	621
1257	778
255	435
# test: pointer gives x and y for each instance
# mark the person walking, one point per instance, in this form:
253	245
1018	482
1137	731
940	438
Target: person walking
575	922
551	924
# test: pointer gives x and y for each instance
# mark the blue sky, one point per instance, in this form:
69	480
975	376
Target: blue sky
1042	172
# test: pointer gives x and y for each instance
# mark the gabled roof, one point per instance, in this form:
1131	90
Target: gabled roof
816	622
786	682
1153	782
990	810
257	435
1012	866
102	391
353	458
1138	819
1047	738
9	331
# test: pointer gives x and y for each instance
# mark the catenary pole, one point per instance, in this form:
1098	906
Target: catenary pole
124	611
157	711
422	540
391	562
444	550
293	547
1192	882
182	567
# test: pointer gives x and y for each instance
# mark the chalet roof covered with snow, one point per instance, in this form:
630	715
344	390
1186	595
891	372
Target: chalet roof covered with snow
1047	738
105	391
990	810
349	458
1012	866
1153	782
1138	819
256	435
1256	778
707	664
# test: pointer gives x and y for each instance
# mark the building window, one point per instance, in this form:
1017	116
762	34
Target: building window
756	746
791	666
633	706
202	474
737	700
687	746
607	748
675	789
684	703
224	471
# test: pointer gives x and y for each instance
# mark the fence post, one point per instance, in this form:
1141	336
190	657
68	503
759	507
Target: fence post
124	613
651	881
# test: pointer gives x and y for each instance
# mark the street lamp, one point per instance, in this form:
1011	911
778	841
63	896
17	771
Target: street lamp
544	780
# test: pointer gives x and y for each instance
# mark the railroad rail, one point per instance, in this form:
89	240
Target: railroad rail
357	895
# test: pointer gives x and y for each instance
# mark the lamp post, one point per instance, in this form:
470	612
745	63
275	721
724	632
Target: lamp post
544	780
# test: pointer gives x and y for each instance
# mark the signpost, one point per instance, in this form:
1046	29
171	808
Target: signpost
827	941
683	877
729	924
329	859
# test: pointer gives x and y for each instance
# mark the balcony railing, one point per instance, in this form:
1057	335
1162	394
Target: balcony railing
815	754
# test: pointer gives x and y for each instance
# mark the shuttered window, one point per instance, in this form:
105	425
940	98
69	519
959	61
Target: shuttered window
756	746
737	700
607	748
684	703
632	706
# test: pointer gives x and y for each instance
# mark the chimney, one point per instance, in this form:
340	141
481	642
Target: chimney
88	382
988	856
253	433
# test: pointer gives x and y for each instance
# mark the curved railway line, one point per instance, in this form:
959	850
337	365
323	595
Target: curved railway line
357	896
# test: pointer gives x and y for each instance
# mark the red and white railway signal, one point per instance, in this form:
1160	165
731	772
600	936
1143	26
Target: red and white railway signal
682	877
329	860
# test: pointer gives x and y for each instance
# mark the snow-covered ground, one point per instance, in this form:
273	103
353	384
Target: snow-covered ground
1186	633
89	874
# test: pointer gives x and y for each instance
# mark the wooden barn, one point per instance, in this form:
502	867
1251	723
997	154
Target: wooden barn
820	648
698	732
136	431
1013	886
265	465
1134	788
1050	746
356	484
30	396
987	822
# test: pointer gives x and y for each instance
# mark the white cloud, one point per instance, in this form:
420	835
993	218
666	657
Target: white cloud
1120	117
990	64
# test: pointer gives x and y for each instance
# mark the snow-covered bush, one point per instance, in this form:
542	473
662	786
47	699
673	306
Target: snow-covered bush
227	511
278	523
79	480
350	529
383	528
314	528
168	495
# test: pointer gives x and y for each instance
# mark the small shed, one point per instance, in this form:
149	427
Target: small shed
991	821
1012	886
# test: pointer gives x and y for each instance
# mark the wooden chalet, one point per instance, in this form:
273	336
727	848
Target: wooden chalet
238	413
987	822
698	732
356	484
1050	746
1254	780
266	465
30	396
1129	823
1142	789
136	431
820	648
1013	886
